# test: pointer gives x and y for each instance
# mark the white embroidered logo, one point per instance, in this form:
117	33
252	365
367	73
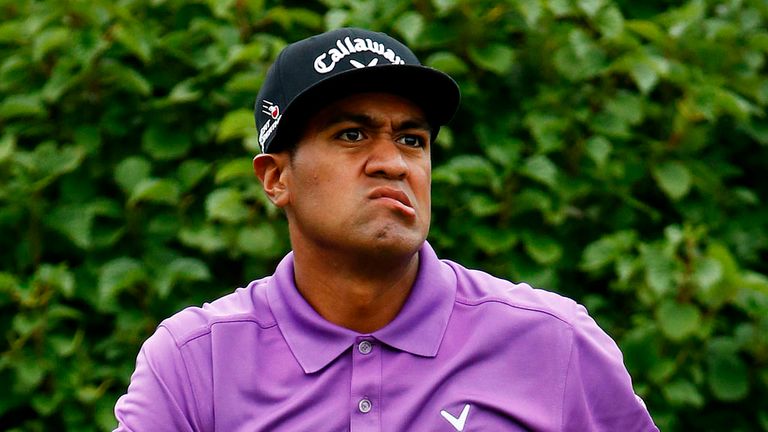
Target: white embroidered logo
457	423
273	111
348	46
359	65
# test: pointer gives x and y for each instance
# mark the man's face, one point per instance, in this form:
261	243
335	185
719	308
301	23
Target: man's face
359	178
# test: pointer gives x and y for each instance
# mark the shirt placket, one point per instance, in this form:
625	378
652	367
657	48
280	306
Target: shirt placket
365	402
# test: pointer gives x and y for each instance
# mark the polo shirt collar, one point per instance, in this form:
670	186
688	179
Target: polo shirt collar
417	329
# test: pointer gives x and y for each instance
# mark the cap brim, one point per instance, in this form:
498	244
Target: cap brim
436	93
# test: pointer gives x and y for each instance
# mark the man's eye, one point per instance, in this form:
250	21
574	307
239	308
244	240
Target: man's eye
351	135
412	141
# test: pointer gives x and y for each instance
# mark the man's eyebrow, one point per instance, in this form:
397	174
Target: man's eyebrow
370	122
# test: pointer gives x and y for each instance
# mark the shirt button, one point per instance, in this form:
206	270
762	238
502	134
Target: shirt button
365	347
364	406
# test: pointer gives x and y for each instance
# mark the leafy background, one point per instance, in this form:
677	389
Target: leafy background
610	150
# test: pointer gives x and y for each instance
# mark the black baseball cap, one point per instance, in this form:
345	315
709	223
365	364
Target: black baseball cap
314	72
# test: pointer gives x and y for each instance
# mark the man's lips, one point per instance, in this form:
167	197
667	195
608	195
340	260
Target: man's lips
397	198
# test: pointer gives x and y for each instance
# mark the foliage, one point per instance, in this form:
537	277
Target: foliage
606	149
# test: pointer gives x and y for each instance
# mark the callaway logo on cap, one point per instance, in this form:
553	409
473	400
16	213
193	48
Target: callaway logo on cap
314	72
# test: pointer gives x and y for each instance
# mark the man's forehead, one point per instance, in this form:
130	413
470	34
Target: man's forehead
373	109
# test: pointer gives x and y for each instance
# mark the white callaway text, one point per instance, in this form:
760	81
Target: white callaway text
324	64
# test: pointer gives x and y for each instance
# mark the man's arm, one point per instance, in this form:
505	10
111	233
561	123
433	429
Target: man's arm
160	397
598	389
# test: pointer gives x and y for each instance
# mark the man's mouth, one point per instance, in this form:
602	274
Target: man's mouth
396	198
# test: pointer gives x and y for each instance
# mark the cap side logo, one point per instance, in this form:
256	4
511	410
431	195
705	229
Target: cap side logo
343	48
273	111
270	109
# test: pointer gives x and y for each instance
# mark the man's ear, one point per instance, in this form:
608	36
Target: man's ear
272	170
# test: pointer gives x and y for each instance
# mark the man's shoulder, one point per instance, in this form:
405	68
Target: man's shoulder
247	305
476	288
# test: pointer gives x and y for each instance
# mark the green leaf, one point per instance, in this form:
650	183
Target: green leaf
191	172
12	32
607	249
646	29
185	92
466	169
89	394
482	205
56	278
492	240
235	169
543	249
29	375
590	7
505	152
496	57
681	393
541	169
181	269
547	130
135	39
673	178
115	277
226	205
260	241
599	150
531	10
49	161
735	105
7	146
680	19
444	6
707	272
132	171
27	105
610	22
47	404
729	280
336	18
205	238
222	8
581	58
763	419
164	144
62	78
9	288
65	346
646	70
124	77
236	124
26	324
660	269
678	320
727	376
447	62
49	40
88	137
627	106
161	191
76	222
410	25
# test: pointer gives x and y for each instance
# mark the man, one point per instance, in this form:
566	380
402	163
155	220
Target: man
362	327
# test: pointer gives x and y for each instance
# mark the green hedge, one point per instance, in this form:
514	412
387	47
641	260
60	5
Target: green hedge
613	151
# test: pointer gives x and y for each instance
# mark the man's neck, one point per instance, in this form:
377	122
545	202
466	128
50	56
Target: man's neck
359	293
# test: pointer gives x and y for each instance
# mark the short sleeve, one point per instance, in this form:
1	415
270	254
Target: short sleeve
159	397
598	389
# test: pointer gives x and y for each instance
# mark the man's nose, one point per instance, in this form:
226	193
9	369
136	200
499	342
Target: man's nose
386	159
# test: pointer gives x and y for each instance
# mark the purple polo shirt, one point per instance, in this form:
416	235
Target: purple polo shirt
468	352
